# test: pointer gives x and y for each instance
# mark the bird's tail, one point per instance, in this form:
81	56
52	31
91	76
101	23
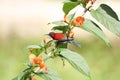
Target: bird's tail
71	41
75	43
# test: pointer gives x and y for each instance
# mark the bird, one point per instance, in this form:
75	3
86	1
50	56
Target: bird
60	37
57	36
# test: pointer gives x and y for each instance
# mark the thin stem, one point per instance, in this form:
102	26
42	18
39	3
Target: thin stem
86	9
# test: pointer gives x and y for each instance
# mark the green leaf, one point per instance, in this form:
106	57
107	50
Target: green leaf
106	16
68	6
51	42
49	46
23	75
83	3
71	17
50	75
59	23
33	46
76	60
61	28
92	27
61	45
35	49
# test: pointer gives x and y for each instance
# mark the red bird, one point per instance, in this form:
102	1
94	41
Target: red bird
60	37
57	36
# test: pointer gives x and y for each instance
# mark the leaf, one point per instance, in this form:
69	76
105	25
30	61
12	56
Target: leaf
50	75
34	46
61	28
71	17
35	49
109	11
23	75
76	60
61	45
83	3
92	27
106	16
49	46
68	6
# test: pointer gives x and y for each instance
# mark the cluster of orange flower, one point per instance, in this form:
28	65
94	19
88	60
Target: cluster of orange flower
38	61
78	21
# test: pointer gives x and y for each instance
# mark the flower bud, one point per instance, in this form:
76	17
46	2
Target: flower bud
92	1
46	40
87	1
71	34
65	19
31	49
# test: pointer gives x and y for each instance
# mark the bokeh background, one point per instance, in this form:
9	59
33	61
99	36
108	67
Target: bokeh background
24	22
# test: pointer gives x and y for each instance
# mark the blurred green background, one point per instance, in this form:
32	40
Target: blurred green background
24	22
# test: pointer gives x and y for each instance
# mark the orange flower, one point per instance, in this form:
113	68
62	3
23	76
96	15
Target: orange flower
78	21
92	1
42	66
87	1
32	58
37	60
46	40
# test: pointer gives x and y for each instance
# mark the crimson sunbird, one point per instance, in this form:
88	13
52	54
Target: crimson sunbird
60	37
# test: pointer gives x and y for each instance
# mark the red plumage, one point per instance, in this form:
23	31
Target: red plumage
57	36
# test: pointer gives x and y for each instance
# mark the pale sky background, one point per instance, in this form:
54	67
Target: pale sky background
30	17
